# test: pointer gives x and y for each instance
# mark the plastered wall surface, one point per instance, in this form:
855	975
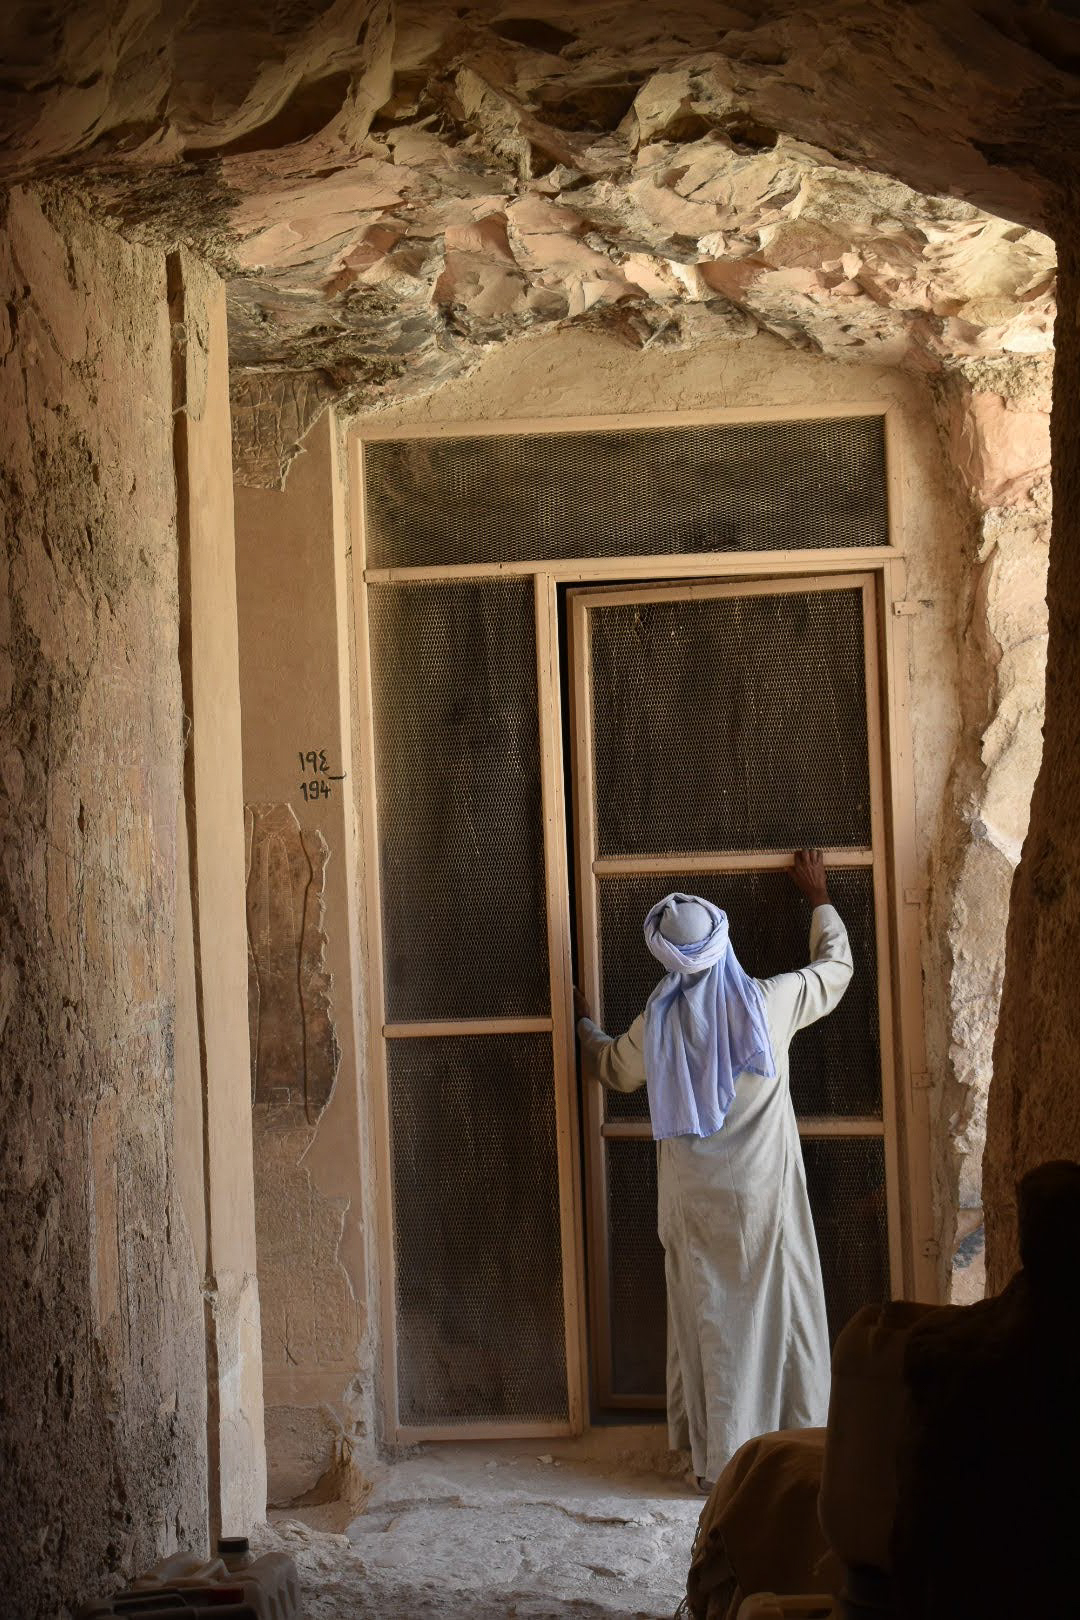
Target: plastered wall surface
297	788
101	1341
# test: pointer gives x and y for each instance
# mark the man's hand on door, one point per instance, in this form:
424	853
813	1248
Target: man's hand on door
581	1006
808	874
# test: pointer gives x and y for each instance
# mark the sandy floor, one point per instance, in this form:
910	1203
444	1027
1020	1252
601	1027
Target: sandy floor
495	1531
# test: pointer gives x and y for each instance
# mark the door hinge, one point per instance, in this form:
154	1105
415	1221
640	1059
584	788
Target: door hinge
915	897
907	609
920	1080
931	1249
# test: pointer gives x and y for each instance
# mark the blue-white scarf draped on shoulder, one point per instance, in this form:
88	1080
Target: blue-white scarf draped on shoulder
705	1022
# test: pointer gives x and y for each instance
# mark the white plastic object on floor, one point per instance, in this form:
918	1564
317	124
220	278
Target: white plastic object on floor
270	1588
803	1606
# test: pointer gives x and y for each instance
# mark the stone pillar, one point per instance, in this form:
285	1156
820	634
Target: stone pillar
294	682
1034	1106
213	802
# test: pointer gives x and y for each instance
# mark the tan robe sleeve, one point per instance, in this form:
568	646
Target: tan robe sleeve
797	999
618	1064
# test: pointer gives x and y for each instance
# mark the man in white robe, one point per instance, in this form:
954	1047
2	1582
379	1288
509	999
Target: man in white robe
748	1342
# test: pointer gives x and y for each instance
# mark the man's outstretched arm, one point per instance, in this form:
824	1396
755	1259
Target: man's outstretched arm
799	999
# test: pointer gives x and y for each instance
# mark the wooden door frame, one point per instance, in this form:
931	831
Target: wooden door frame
918	1272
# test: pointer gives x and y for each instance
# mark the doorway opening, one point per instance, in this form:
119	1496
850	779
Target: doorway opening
569	711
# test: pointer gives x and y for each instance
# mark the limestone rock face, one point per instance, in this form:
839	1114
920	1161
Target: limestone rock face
395	187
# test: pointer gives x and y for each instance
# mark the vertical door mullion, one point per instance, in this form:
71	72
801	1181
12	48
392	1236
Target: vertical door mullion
549	713
376	987
921	1278
596	1201
879	844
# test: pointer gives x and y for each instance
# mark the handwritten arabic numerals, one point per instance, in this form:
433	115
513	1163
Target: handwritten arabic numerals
314	760
315	790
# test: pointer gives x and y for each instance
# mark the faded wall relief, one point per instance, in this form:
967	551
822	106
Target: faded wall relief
294	1046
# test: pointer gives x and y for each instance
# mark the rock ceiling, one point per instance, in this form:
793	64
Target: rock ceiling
391	188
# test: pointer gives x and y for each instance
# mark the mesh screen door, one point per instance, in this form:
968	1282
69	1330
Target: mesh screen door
468	792
717	728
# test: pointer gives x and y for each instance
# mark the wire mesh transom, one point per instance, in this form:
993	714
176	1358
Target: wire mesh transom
625	492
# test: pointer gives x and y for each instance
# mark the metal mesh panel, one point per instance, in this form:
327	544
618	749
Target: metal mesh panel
638	1305
732	723
757	486
845	1178
476	1230
460	812
836	1063
846	1183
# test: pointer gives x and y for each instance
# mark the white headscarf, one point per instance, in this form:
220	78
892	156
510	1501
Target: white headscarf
705	1022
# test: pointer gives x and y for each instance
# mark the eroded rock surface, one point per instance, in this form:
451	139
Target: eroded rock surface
395	187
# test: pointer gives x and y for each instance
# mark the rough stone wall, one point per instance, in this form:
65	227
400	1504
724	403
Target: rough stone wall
996	425
1034	1111
101	1340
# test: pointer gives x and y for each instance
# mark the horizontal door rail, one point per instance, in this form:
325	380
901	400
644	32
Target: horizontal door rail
756	860
657	566
811	1125
822	578
413	1435
467	1026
